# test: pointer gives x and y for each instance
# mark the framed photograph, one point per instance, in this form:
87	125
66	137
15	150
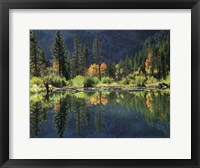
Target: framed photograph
99	83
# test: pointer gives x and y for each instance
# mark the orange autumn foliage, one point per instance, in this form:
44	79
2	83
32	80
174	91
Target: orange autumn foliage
97	99
104	101
94	69
148	66
103	67
94	100
148	103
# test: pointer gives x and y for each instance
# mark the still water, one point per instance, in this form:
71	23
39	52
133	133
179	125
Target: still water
142	114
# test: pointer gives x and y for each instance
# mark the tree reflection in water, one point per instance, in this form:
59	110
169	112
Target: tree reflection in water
101	114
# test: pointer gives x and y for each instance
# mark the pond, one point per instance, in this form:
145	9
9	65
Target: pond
101	114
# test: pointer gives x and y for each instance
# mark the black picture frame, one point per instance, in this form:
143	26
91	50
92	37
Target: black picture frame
5	5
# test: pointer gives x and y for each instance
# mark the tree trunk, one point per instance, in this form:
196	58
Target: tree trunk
100	72
47	87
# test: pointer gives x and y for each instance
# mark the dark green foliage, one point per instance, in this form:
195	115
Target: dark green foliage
111	70
75	57
152	60
158	46
79	58
68	66
79	109
106	80
59	54
34	54
38	59
60	116
149	67
82	60
125	81
38	114
36	118
88	82
43	61
72	112
97	54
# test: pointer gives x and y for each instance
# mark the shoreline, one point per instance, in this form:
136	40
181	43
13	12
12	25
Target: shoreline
110	88
105	88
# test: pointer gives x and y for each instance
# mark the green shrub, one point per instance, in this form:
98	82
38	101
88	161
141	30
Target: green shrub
132	82
88	82
125	81
95	79
68	83
106	80
57	81
36	85
139	80
78	81
151	80
166	80
36	81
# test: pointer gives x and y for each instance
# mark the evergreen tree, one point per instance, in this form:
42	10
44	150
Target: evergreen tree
154	58
82	61
34	54
111	70
43	61
38	58
167	55
68	67
86	55
59	54
97	54
75	57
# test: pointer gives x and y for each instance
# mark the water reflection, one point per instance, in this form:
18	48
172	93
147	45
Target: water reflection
101	115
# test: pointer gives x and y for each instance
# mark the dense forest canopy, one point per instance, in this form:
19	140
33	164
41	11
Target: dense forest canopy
96	58
115	43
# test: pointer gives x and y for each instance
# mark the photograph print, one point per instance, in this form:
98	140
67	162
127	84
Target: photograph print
99	83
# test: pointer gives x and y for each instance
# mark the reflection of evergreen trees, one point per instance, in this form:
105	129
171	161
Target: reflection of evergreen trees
153	105
68	108
37	119
38	114
81	115
98	118
83	112
60	109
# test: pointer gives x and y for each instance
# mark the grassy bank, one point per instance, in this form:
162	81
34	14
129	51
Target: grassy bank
38	84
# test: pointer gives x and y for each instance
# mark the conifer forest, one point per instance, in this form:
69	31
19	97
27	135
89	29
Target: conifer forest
99	83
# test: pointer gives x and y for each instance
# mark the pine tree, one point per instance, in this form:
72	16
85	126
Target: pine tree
34	54
68	67
75	57
86	55
111	70
97	54
43	61
38	58
82	60
167	55
59	54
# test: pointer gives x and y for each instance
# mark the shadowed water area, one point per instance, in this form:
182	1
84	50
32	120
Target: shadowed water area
101	114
